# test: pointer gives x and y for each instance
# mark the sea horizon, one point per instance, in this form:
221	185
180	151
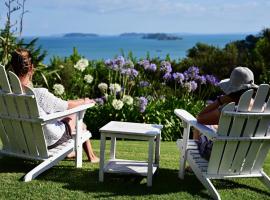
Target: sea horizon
109	46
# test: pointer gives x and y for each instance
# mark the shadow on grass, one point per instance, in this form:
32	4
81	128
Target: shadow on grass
86	179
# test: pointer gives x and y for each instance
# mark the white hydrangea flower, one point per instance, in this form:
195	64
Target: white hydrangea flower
115	88
128	100
88	78
81	64
103	87
117	104
58	89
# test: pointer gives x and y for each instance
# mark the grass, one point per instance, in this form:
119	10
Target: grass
63	181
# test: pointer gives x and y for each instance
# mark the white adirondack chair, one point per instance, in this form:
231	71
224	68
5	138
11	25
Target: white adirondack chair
21	127
240	145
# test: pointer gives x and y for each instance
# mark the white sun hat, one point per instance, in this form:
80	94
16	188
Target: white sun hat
241	78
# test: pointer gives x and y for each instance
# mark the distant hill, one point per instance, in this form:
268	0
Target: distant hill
80	35
161	36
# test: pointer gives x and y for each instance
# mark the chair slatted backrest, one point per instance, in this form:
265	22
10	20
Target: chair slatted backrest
242	157
20	130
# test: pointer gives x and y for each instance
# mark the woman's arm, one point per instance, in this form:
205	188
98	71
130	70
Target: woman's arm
211	113
78	102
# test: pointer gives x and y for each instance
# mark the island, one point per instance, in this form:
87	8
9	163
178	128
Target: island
132	34
161	36
80	35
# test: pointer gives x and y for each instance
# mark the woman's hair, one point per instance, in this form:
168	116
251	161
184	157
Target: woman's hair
236	95
21	62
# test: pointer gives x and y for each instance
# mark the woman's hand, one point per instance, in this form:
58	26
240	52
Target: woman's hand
88	101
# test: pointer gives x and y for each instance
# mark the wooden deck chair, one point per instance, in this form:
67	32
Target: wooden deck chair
21	127
240	144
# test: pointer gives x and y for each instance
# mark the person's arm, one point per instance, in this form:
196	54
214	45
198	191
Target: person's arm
78	102
211	113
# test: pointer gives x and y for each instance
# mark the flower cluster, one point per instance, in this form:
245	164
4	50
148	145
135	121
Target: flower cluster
103	87
115	88
117	104
191	78
178	77
58	89
147	65
99	101
142	104
144	84
128	100
88	78
81	64
166	67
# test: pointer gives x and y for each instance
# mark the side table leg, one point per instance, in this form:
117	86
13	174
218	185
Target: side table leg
102	157
157	150
150	162
113	148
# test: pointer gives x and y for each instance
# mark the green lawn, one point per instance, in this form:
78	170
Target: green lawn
66	182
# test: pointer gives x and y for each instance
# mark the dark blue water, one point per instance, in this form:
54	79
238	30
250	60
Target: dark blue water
104	47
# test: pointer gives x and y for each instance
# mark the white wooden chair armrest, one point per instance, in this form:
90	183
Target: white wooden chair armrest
57	115
192	121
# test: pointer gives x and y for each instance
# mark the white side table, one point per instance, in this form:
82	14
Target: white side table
138	131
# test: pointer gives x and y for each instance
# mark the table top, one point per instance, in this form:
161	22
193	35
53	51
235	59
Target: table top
131	128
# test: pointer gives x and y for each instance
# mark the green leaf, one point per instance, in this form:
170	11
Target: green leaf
45	79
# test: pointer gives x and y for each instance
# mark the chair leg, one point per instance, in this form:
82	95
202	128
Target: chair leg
48	163
265	179
205	181
182	164
211	188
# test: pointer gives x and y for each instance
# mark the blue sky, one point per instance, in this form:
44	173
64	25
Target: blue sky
48	17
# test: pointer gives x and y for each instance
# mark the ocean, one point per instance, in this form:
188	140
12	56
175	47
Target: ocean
104	47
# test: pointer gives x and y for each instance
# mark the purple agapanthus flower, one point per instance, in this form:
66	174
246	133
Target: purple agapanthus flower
167	77
144	83
152	67
144	63
166	67
178	77
108	62
193	85
193	70
142	104
192	73
201	80
120	60
134	73
99	101
212	80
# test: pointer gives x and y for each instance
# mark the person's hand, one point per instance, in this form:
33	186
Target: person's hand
89	101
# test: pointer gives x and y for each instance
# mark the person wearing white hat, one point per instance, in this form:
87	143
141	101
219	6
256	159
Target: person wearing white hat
241	80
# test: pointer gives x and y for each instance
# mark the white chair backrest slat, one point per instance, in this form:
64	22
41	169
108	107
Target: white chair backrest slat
32	103
4	137
37	128
217	151
15	83
4	80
